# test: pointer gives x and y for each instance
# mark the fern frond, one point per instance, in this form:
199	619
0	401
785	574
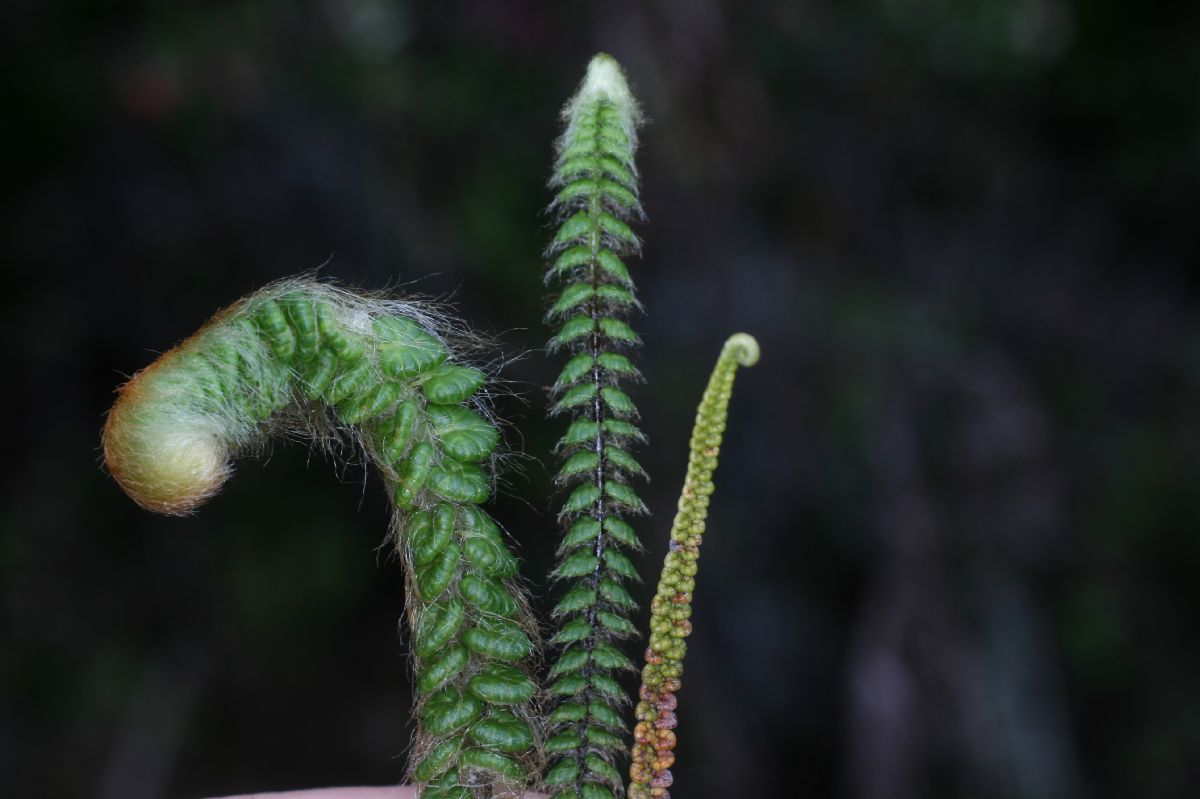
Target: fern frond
654	734
597	196
303	357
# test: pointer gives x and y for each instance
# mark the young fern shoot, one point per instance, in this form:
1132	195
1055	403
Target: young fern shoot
654	735
306	358
303	358
597	195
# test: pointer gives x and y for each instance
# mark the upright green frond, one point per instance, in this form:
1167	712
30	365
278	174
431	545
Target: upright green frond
654	734
595	178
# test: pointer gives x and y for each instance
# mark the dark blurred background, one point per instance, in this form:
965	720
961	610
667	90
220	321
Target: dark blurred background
955	550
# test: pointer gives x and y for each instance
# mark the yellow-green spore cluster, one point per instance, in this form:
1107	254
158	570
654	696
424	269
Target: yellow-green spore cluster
670	610
304	357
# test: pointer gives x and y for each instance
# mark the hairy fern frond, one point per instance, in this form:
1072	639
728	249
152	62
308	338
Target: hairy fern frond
597	195
306	358
654	734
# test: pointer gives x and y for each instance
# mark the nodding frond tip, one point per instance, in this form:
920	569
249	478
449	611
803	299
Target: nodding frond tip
744	347
604	80
167	464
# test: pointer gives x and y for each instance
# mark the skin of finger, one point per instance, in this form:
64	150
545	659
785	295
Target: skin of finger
382	792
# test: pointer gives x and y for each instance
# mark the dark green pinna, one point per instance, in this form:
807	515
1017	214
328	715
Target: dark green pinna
596	180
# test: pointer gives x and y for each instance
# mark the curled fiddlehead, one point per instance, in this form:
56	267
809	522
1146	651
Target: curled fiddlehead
597	194
303	357
654	734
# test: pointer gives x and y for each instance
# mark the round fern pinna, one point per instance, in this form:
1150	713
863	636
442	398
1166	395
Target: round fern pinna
306	358
597	195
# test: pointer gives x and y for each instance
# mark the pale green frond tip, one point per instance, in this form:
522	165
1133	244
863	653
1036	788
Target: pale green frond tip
605	80
743	347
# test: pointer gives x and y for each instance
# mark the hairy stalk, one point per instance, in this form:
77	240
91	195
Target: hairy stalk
596	180
654	735
306	358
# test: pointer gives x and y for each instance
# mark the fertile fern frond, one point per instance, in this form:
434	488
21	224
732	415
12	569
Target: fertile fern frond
654	734
597	195
303	357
